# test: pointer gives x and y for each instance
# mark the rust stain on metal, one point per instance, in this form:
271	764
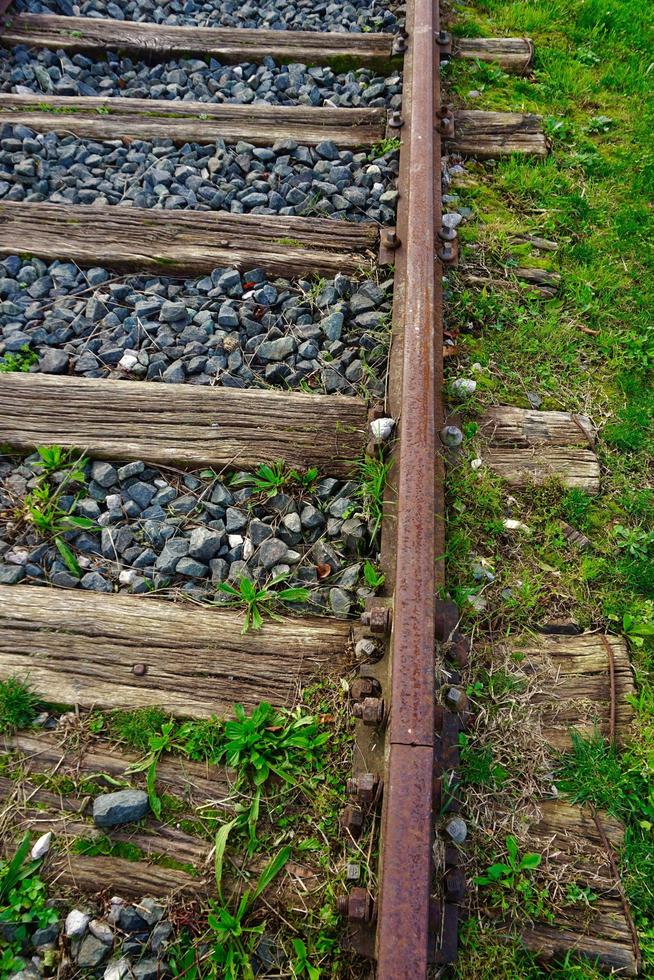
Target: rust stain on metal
403	915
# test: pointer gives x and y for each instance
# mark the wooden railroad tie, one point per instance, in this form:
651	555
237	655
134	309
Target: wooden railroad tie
228	45
193	122
512	54
188	425
526	446
82	648
187	243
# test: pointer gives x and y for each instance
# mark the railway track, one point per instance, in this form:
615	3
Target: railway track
183	304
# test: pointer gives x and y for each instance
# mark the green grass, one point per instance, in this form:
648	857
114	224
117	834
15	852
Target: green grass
18	705
589	349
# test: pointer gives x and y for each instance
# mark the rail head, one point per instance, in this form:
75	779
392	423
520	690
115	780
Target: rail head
407	824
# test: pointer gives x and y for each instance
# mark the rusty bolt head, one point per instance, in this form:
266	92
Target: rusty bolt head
399	44
389	238
139	669
377	619
448	253
352	820
446	121
444	42
364	687
395	120
367	649
371	711
364	787
358	906
447	234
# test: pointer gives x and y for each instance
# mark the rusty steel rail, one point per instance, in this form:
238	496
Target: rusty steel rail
403	918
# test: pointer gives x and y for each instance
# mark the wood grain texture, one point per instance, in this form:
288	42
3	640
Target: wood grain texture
189	425
512	54
189	243
487	135
129	879
226	44
80	648
526	446
197	122
576	692
571	838
64	817
47	752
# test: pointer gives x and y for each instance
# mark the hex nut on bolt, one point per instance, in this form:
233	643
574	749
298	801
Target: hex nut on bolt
352	820
364	787
377	619
365	687
371	711
358	906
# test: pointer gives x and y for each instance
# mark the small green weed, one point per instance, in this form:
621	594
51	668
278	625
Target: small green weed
373	577
390	145
22	361
271	479
18	705
158	744
257	602
373	471
230	942
135	728
267	743
23	899
510	883
478	767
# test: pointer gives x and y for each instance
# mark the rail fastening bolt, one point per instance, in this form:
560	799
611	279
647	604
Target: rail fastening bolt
139	670
364	687
364	787
371	711
377	619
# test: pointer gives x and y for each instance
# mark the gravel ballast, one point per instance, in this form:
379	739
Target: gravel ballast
149	530
286	179
297	15
43	72
239	330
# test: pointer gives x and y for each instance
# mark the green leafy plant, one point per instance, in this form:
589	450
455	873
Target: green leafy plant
234	941
158	744
300	965
373	471
373	577
269	743
271	479
41	507
257	601
478	766
510	883
385	146
22	361
22	905
18	704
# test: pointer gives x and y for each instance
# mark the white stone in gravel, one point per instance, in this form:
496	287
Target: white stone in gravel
129	360
381	429
18	556
127	576
248	549
234	540
512	525
475	464
76	923
117	970
113	501
41	847
452	220
464	386
101	929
